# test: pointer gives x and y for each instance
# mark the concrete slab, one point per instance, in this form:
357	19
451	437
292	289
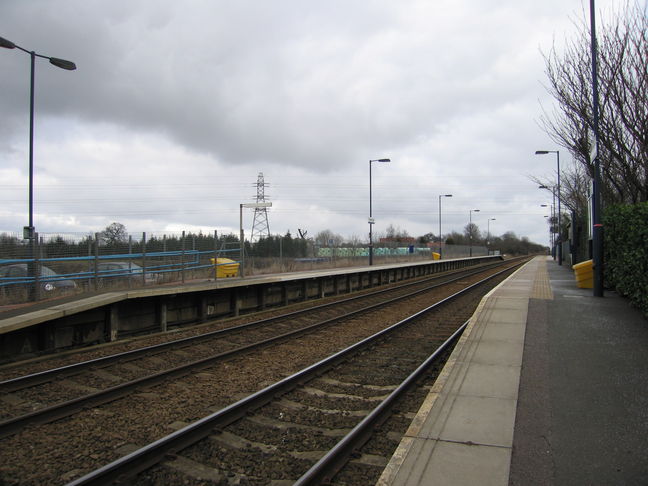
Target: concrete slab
57	311
498	352
430	463
92	302
26	320
504	329
475	420
496	381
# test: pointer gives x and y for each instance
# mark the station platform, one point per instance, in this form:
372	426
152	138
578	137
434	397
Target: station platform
548	385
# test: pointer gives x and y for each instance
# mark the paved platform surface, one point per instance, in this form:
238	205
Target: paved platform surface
548	385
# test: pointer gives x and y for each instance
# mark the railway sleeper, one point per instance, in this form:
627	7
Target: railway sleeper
265	421
291	405
321	393
347	384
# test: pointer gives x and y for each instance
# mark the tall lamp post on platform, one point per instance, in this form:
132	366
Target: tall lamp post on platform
488	232
597	223
552	216
440	239
29	231
559	240
470	228
371	220
550	233
247	205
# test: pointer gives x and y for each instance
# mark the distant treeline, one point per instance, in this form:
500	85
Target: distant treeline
115	240
61	246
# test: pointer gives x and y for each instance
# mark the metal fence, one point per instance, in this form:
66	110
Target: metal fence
60	264
69	264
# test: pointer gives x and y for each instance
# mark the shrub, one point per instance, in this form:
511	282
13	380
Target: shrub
626	251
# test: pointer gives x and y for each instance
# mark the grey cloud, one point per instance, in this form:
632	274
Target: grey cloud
447	89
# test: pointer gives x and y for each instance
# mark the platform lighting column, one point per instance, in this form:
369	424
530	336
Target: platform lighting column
488	232
241	245
553	216
29	232
470	228
597	224
440	239
550	234
371	220
550	231
559	240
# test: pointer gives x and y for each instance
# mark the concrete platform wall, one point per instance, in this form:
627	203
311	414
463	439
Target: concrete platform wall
115	315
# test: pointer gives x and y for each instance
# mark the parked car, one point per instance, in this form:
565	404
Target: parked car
16	275
112	271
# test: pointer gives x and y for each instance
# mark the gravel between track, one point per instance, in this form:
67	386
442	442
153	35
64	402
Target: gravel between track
96	436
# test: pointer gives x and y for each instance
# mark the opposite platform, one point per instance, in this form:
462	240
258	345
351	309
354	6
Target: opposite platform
546	386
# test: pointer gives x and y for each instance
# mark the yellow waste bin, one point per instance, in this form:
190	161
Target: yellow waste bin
224	267
584	273
436	256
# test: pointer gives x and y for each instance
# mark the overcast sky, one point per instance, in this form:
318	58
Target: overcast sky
177	106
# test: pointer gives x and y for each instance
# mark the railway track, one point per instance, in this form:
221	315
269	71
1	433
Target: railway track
44	370
58	392
248	334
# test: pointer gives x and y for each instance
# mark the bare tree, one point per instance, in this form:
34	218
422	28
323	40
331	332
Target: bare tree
471	232
623	86
328	238
395	233
354	241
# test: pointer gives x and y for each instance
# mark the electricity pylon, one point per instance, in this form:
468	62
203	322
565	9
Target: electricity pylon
260	226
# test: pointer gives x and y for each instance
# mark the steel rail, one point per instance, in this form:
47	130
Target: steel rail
69	407
157	451
323	470
46	376
33	379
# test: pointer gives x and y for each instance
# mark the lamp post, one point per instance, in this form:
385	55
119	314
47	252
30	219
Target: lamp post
553	217
559	240
488	231
550	234
242	251
371	220
440	242
550	221
29	231
470	229
597	224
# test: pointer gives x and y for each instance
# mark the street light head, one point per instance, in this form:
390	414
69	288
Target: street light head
62	63
541	152
7	43
475	210
380	160
447	195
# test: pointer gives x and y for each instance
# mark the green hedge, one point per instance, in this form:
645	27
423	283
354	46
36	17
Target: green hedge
626	251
